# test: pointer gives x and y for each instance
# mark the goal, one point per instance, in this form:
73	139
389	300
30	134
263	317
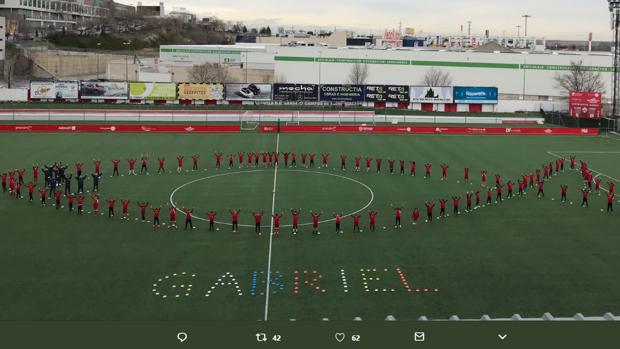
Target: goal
294	119
249	122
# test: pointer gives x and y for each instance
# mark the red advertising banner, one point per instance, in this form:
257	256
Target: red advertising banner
585	105
455	130
120	128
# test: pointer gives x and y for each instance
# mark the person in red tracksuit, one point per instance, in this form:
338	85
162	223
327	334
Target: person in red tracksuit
258	217
483	175
541	190
338	219
358	160
416	216
610	202
356	222
144	169
180	163
295	214
429	210
161	168
35	173
234	217
466	174
97	166
469	201
71	200
368	163
427	173
115	166
195	159
143	206
442	207
58	196
398	212
132	166
80	204
276	223
211	215
31	187
372	215
315	222
240	156
564	189
111	204
172	216
188	218
444	171
78	168
125	206
218	159
413	168
325	159
156	213
95	203
43	193
455	202
585	195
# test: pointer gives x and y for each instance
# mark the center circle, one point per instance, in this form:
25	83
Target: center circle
252	190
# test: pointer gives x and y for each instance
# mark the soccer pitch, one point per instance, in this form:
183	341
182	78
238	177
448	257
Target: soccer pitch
524	255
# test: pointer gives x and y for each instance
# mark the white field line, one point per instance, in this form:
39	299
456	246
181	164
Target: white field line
273	209
370	191
584	152
599	173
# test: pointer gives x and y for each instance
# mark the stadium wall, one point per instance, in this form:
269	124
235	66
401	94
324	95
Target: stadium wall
13	95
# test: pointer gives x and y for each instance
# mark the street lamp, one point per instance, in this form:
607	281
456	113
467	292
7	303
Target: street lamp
97	54
526	18
614	8
127	44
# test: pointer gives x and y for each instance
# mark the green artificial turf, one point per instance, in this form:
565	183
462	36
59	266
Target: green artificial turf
525	255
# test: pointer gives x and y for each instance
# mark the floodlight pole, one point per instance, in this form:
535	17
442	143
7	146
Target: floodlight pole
526	18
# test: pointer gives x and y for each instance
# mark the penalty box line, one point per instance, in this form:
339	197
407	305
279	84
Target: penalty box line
599	173
273	209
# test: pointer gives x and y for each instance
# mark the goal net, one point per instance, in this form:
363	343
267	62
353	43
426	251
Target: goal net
249	122
294	119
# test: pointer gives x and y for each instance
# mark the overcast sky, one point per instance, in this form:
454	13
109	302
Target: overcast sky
561	19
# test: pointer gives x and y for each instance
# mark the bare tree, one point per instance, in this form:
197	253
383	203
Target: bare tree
436	77
209	72
359	74
580	78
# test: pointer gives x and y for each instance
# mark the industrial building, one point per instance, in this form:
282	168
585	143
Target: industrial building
525	79
54	13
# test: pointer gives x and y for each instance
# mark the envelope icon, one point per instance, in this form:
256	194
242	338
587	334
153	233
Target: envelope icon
418	337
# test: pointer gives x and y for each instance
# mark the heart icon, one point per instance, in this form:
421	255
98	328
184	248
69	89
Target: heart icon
339	337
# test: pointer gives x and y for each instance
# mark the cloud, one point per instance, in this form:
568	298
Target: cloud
551	18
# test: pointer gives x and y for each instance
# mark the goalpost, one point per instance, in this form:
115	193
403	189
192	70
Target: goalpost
294	119
249	122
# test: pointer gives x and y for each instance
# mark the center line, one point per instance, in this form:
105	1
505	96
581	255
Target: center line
273	209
